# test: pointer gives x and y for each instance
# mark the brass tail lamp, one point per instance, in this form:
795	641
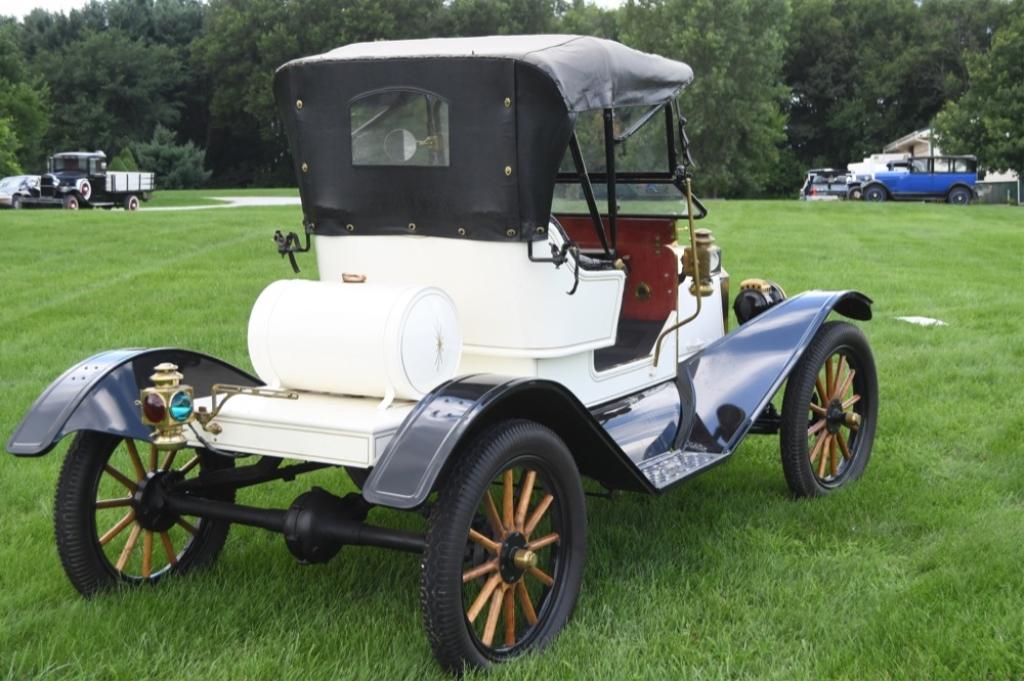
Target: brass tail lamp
169	405
696	266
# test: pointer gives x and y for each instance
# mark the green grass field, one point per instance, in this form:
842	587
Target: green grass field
913	572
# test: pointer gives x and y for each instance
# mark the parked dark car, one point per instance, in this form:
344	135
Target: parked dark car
826	184
931	178
15	189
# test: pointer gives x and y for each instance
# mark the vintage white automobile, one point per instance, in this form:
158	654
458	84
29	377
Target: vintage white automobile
502	310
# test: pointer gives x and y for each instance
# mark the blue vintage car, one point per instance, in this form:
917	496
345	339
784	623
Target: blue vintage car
935	178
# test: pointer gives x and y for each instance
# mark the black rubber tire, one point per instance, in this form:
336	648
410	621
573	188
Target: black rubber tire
506	444
960	196
855	194
131	203
71	202
84	562
876	194
831	338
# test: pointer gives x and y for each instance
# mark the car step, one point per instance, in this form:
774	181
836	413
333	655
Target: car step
674	465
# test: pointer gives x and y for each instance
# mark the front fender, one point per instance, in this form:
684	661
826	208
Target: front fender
100	392
735	377
456	411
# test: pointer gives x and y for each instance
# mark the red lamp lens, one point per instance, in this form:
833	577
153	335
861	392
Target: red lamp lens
153	408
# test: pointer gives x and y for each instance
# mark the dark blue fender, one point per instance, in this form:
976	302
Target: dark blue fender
718	394
458	409
735	377
100	394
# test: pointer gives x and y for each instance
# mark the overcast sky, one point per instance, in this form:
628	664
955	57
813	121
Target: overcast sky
20	8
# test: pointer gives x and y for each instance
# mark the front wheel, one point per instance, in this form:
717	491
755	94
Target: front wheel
960	196
829	412
855	194
501	578
107	533
875	194
71	202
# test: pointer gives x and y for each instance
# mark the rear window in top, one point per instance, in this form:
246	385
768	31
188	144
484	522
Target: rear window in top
399	128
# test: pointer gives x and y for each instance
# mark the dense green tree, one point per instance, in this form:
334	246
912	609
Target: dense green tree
734	104
988	120
501	17
8	144
177	166
585	18
865	73
242	44
124	160
109	88
24	102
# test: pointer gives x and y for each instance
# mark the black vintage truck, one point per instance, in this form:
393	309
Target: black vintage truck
80	179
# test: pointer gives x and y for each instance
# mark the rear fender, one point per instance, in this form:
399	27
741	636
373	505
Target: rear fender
429	439
100	394
735	377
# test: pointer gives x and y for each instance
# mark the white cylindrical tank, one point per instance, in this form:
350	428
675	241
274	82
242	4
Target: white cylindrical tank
375	340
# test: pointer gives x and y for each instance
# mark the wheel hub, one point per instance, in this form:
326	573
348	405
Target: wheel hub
514	558
150	501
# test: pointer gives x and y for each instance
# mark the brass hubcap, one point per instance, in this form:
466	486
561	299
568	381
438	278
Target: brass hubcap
524	559
517	548
831	412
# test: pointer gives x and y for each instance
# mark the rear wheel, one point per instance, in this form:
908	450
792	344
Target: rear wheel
502	571
71	202
16	203
131	202
829	412
875	193
107	534
960	196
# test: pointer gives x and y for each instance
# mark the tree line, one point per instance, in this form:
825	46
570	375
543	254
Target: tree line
781	85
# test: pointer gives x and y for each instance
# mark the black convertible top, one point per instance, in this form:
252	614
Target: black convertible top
590	73
503	109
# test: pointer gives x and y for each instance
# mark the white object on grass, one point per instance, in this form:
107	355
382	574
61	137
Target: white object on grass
923	321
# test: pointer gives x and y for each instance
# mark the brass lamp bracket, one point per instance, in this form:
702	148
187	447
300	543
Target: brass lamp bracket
228	391
695	257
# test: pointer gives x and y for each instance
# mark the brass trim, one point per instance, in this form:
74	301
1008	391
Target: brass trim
204	416
298	104
508	170
508	102
524	559
350	227
696	266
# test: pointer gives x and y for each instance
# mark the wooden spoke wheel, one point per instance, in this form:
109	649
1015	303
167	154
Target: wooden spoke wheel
505	547
110	523
829	411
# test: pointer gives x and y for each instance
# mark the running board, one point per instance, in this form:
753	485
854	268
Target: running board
673	466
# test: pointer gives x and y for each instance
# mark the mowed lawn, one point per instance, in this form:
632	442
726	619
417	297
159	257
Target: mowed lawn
913	572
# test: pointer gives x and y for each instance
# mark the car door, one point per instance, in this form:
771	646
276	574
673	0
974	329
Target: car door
918	180
942	176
